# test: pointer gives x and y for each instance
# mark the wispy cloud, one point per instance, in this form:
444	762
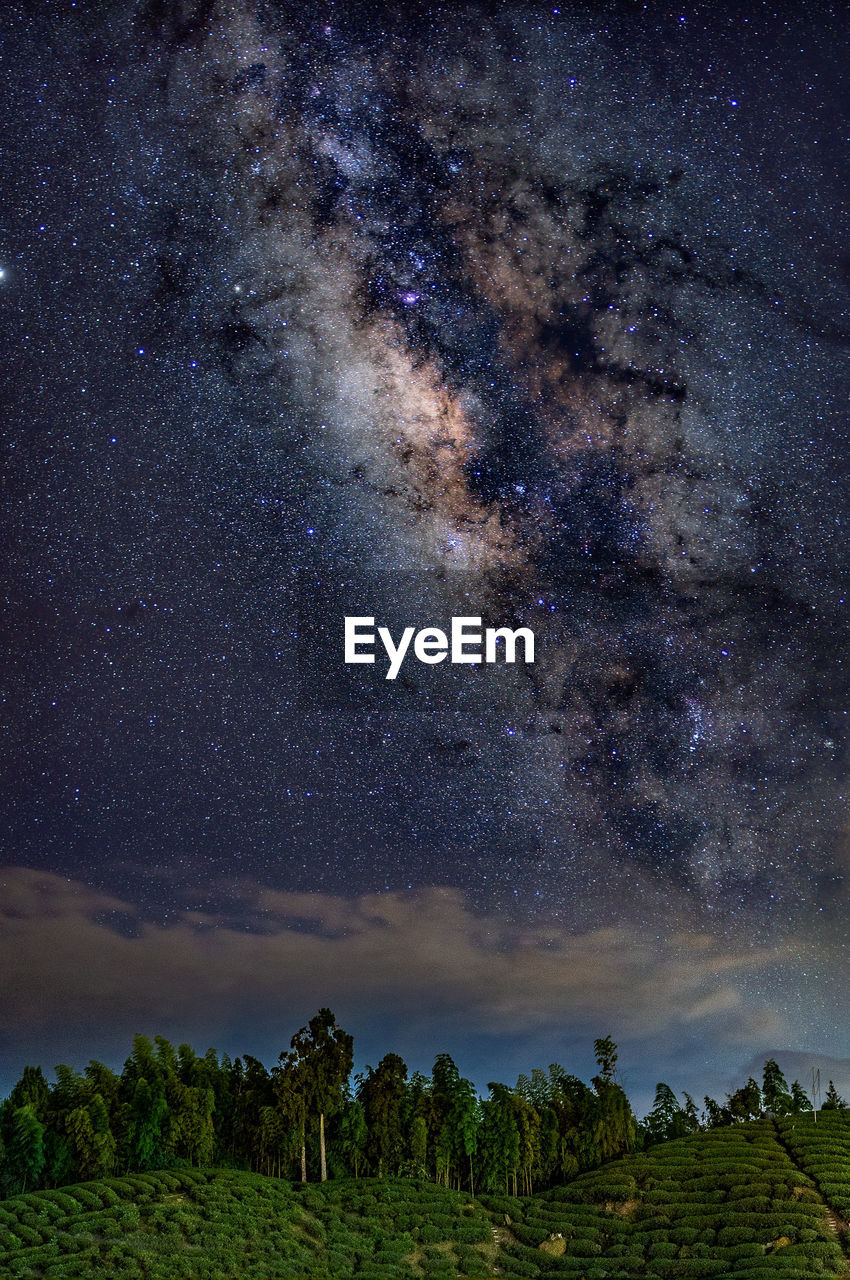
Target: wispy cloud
80	969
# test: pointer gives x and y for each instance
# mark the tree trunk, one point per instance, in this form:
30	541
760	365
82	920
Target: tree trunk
322	1145
303	1155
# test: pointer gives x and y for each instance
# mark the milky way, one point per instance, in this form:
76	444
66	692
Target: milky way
544	358
534	313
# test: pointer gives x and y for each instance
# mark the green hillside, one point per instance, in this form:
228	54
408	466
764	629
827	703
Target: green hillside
730	1202
743	1201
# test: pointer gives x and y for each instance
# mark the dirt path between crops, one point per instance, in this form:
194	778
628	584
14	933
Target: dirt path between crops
836	1225
501	1235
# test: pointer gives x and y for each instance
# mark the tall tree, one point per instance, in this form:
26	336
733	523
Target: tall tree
25	1150
101	1079
418	1146
499	1150
614	1126
691	1114
104	1142
547	1159
320	1059
462	1124
528	1128
251	1089
353	1134
148	1120
606	1057
454	1117
745	1103
31	1091
292	1097
800	1100
382	1093
575	1105
666	1120
193	1123
81	1137
774	1088
715	1115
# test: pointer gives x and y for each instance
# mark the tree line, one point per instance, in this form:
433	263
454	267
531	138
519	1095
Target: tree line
307	1118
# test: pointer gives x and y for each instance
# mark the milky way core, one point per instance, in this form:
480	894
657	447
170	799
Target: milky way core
534	350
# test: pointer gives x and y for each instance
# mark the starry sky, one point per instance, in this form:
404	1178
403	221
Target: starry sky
530	312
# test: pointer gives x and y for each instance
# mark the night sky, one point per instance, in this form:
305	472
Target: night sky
530	312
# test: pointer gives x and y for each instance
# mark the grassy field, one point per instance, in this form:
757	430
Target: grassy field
742	1202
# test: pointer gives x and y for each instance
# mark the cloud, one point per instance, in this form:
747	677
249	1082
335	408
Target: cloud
81	969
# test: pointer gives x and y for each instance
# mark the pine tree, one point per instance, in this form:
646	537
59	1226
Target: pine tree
666	1120
715	1115
777	1099
691	1114
833	1100
800	1100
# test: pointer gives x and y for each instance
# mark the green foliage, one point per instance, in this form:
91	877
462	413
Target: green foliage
605	1051
833	1100
381	1094
25	1156
170	1106
744	1198
822	1148
728	1202
231	1223
667	1119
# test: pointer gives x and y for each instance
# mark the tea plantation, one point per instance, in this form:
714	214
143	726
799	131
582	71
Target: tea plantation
823	1150
730	1202
742	1202
226	1225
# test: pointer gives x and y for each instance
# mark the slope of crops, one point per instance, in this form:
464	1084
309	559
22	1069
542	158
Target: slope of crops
728	1203
735	1203
822	1148
224	1225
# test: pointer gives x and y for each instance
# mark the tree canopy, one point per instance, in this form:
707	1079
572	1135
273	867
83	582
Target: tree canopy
306	1118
